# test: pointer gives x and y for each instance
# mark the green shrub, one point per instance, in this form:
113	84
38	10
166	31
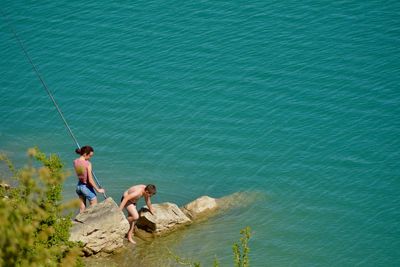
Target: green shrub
34	231
241	252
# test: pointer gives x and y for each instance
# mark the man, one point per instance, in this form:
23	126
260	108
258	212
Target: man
129	200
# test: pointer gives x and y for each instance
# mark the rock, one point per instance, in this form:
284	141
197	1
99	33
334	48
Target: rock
100	228
167	218
5	186
238	200
200	208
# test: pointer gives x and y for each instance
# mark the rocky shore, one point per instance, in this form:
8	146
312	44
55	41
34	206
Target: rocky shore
102	228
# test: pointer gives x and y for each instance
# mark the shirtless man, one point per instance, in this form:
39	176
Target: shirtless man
129	200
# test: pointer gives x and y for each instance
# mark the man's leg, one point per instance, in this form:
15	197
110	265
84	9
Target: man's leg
132	218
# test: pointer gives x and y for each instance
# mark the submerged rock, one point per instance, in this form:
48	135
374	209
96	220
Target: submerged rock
100	228
238	200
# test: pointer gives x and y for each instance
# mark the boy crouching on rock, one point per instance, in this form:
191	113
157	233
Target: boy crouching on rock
129	200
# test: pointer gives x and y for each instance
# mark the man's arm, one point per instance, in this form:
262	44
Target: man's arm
148	203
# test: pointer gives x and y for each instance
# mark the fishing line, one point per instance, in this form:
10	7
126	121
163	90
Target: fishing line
47	90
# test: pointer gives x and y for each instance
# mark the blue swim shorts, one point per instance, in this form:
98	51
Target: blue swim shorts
85	191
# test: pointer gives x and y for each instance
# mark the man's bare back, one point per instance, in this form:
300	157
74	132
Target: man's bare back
135	192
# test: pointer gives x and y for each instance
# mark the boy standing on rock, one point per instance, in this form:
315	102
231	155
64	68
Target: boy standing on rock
129	200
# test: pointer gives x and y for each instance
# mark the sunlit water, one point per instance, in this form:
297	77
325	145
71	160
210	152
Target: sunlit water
295	102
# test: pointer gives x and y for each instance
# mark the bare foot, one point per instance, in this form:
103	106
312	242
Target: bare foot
131	240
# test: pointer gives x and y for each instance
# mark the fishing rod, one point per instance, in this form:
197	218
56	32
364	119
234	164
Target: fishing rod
48	91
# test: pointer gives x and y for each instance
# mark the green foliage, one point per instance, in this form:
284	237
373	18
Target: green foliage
240	252
33	230
216	262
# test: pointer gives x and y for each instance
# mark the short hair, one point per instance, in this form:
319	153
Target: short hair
151	188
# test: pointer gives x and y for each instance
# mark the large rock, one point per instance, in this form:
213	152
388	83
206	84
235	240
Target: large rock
201	207
167	217
100	228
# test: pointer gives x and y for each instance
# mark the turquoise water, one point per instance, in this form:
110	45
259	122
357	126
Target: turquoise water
295	102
